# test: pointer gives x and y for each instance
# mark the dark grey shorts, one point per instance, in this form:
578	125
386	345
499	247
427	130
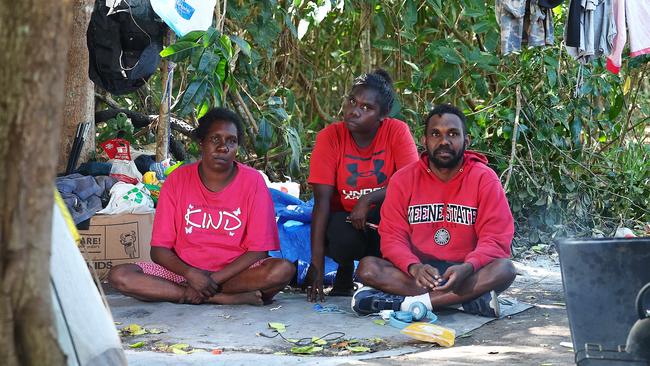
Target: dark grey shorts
441	266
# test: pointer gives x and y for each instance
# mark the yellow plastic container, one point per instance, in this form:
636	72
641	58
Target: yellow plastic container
432	333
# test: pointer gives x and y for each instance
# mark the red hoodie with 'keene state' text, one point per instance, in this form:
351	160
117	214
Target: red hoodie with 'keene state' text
466	219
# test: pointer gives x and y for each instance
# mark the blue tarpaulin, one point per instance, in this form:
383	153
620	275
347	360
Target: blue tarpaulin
294	226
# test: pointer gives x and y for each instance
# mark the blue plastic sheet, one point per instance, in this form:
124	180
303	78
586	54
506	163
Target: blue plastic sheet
294	227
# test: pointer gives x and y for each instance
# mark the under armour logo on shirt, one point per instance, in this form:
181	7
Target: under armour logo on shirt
355	173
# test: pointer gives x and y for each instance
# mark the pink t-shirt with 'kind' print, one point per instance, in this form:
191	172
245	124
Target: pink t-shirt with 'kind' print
209	230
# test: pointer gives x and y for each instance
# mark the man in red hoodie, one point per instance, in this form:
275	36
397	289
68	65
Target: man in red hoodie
446	230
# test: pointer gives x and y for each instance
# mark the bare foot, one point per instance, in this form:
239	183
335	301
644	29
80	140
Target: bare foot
250	298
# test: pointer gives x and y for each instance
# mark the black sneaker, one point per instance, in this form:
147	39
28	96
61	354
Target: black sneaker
368	300
484	305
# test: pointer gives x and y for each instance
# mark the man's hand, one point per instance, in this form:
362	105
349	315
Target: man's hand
201	282
314	281
191	296
455	275
425	275
359	213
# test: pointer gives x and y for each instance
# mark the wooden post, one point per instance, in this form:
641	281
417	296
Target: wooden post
162	136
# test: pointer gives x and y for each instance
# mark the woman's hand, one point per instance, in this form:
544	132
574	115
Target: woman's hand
359	213
314	281
201	282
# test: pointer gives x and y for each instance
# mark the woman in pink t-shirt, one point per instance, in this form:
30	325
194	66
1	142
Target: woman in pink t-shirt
213	227
350	167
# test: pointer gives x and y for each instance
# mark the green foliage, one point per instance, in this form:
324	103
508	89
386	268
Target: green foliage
121	125
208	54
580	163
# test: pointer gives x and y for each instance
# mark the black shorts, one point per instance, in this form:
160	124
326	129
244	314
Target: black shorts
441	266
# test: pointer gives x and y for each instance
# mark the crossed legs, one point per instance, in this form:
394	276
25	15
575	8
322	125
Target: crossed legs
254	285
382	275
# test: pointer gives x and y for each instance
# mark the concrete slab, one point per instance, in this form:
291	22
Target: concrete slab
236	329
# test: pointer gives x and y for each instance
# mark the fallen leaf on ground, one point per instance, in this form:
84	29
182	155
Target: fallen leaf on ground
377	340
340	344
305	350
216	352
179	346
134	329
357	349
118	323
466	335
318	341
136	345
379	322
179	351
279	327
155	331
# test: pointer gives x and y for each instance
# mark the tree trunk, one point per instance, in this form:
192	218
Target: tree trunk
80	91
162	135
34	39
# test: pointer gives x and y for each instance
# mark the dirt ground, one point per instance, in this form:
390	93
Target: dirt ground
529	338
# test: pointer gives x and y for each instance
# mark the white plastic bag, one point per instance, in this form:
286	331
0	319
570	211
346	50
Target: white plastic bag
128	198
184	16
122	168
288	186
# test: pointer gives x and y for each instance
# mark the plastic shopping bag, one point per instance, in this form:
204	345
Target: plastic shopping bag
128	198
184	16
123	168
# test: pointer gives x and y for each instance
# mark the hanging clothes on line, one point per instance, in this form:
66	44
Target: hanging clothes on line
631	16
524	22
590	29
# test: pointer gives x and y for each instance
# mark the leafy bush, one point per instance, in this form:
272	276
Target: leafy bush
580	160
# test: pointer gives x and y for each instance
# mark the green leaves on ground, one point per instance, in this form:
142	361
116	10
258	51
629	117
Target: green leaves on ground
306	350
278	327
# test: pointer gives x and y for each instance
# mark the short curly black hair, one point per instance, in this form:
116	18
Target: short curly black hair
218	115
441	109
380	81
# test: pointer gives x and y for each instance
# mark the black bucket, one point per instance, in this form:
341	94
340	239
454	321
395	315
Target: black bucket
601	279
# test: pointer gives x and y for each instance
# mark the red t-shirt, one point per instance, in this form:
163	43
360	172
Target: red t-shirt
209	230
353	171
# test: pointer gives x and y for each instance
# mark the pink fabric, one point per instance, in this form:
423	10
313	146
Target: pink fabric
637	13
155	269
631	16
614	59
209	230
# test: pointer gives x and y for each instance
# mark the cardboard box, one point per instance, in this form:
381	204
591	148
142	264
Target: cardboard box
116	239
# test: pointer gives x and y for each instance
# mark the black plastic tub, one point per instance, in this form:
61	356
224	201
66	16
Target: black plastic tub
601	279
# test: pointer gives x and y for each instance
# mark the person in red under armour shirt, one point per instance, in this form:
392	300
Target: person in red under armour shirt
446	230
213	227
350	166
